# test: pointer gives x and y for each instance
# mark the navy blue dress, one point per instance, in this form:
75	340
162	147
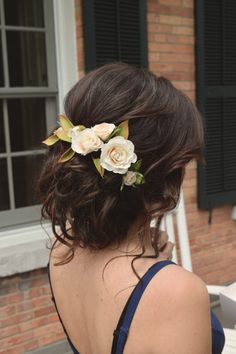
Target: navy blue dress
122	329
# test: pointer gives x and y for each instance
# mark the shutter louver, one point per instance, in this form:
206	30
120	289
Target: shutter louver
130	32
213	42
106	34
216	98
115	30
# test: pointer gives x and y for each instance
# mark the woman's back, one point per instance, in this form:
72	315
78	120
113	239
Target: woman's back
91	301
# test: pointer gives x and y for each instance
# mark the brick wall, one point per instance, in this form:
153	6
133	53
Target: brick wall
171	54
27	315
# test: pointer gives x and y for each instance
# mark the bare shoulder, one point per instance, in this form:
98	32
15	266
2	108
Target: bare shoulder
180	302
175	280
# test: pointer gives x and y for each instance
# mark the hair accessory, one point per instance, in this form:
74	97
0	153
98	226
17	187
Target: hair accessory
117	152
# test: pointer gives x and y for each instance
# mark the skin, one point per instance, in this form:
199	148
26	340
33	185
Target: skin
173	315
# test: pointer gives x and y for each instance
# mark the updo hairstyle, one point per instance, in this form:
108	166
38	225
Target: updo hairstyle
166	130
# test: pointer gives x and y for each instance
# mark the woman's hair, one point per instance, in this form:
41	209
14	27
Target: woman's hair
167	133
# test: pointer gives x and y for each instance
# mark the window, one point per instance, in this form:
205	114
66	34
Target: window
216	99
28	102
115	30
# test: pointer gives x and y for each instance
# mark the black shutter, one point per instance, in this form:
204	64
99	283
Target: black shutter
115	30
216	99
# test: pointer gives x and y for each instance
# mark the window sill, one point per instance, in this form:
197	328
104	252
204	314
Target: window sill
24	249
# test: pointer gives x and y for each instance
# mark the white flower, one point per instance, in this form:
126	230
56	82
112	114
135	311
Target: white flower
85	141
103	130
117	155
130	178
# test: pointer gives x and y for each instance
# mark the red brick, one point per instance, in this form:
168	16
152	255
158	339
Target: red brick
13	320
182	30
50	338
174	10
173	38
33	344
53	328
171	2
34	323
15	340
151	17
170	20
160	28
9	331
18	350
14	298
188	3
152	6
3	301
160	38
185	85
44	311
174	48
32	293
176	58
7	311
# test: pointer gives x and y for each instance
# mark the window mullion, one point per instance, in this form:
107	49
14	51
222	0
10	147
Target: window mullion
4	46
8	151
50	113
50	46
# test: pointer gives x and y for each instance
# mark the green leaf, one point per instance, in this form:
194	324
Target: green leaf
68	154
124	126
136	166
65	123
61	134
81	127
115	132
50	140
97	164
139	179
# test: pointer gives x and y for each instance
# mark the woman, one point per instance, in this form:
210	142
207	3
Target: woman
117	162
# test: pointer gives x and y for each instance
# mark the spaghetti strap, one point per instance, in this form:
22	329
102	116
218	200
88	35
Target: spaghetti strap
121	331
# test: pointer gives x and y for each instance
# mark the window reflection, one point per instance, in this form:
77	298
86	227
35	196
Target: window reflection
27	123
1	65
4	190
24	13
26	170
2	133
27	58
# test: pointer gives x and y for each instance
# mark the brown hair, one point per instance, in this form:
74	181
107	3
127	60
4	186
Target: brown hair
166	130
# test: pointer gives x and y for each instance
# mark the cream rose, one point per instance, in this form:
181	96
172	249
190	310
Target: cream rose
117	155
130	178
103	130
85	141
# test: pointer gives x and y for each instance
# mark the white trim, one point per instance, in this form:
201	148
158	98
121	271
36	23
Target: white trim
66	49
25	248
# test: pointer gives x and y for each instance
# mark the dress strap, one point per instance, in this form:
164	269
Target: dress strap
122	329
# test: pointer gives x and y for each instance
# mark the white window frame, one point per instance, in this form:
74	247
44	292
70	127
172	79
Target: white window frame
49	93
24	248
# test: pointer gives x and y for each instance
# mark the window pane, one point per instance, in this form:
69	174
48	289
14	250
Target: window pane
24	13
26	170
27	123
4	190
1	65
2	133
27	58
